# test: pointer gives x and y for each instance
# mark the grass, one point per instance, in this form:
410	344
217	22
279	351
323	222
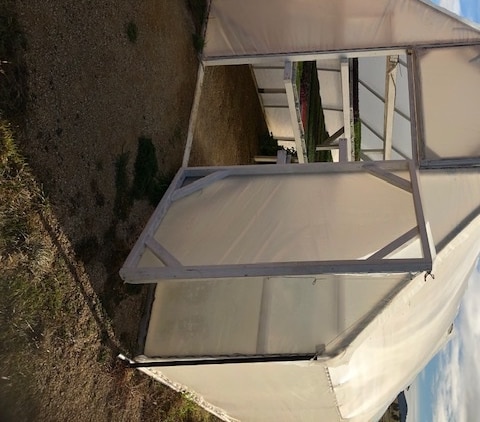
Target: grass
198	43
131	30
148	182
123	200
32	301
50	341
57	346
198	9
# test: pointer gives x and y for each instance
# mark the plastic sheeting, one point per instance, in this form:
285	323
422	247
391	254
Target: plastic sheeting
378	330
372	107
287	218
450	88
450	200
257	316
405	335
359	383
252	27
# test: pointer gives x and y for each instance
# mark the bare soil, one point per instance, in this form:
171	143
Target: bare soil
92	93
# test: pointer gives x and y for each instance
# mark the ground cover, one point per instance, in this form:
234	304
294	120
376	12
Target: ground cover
93	126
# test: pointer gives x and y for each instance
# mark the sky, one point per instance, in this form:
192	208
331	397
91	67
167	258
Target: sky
469	9
448	389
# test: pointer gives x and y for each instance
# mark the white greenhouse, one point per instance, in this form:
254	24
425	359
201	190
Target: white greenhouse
318	291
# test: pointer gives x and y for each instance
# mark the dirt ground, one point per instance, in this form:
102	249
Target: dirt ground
92	92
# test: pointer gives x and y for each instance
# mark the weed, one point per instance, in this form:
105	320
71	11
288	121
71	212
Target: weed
123	200
268	144
146	168
132	31
198	43
198	8
87	248
148	183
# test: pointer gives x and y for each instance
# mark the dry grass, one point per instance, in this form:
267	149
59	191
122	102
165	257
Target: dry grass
57	345
56	340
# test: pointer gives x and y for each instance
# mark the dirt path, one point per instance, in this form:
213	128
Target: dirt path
93	91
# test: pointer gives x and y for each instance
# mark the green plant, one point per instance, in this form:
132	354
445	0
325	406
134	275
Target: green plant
132	31
268	144
198	43
146	168
148	182
198	9
123	200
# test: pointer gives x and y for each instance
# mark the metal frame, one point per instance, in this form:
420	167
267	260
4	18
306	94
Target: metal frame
316	55
389	109
173	269
347	116
143	362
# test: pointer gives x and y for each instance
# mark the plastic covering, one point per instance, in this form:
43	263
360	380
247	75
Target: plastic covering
372	105
359	383
252	316
377	331
450	91
287	218
252	27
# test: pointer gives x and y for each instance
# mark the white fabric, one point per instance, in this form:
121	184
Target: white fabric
449	197
261	392
371	72
288	218
252	27
382	329
262	315
361	382
394	348
450	87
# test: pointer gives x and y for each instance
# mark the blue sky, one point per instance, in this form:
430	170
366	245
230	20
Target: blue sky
448	389
467	8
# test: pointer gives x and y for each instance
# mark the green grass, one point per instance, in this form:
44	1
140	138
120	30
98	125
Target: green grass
32	301
131	30
198	9
123	199
50	324
148	182
146	168
198	43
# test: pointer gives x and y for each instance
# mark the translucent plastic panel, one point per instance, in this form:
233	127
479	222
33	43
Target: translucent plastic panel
450	88
309	217
252	27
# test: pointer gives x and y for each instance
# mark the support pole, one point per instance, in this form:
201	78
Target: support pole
193	115
347	118
389	111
